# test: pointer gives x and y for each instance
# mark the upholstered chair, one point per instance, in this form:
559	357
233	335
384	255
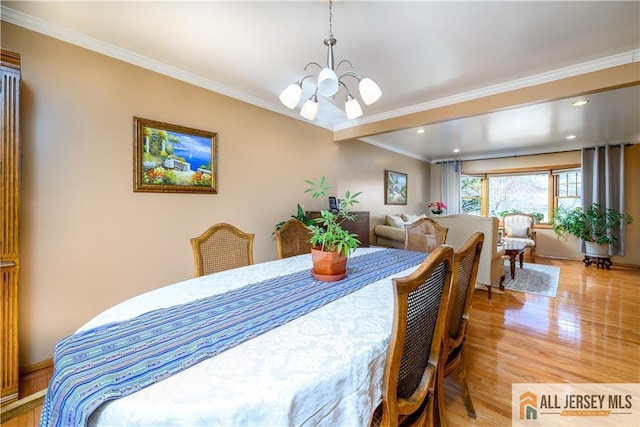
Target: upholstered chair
519	227
461	227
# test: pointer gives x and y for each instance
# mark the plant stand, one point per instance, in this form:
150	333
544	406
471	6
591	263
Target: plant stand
600	261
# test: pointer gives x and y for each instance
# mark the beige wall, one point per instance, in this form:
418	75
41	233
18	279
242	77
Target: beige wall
89	242
361	167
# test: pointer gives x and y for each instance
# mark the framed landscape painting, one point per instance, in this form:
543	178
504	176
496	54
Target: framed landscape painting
395	188
173	159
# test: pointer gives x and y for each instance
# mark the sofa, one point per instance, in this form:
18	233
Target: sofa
460	227
391	233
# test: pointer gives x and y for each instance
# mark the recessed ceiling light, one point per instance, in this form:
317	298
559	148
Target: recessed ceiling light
580	102
420	131
456	150
571	137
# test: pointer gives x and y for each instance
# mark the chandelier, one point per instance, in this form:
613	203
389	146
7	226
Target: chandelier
328	83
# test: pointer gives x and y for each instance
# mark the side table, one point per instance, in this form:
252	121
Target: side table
513	250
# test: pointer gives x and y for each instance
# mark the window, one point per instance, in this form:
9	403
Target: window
568	189
471	195
528	193
537	193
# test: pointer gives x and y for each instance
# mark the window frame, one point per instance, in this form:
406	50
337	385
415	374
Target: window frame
553	187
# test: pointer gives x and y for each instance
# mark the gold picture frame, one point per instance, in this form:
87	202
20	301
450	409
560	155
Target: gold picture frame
395	188
173	159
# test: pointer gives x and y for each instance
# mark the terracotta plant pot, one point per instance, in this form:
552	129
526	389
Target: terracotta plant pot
328	266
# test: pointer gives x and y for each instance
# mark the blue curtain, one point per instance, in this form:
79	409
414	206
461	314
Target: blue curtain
603	183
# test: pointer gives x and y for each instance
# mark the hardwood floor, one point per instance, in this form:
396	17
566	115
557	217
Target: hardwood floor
588	333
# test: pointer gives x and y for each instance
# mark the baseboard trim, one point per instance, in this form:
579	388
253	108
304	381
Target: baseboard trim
47	363
21	406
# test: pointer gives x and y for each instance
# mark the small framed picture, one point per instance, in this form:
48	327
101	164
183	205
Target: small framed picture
395	188
173	159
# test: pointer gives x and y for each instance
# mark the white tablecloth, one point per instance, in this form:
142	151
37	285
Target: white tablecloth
322	369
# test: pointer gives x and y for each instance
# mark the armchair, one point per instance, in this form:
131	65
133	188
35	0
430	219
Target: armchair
519	227
461	227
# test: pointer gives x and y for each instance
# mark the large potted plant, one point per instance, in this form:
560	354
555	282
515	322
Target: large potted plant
332	244
595	226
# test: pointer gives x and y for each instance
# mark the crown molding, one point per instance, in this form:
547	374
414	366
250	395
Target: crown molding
62	33
56	31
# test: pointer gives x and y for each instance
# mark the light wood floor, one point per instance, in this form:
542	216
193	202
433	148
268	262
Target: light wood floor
588	333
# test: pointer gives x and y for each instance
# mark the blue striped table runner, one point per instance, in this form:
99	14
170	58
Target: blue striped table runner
117	359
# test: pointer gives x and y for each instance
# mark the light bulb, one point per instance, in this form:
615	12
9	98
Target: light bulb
310	108
352	107
369	90
327	82
291	95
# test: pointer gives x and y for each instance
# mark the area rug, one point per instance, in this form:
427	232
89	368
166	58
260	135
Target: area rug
533	279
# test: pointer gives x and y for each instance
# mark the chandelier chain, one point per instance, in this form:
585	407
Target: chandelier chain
330	19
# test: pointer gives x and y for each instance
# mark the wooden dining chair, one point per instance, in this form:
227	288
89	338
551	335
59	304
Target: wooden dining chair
465	270
292	239
424	235
222	247
416	341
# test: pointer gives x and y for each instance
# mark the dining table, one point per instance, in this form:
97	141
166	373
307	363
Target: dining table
322	366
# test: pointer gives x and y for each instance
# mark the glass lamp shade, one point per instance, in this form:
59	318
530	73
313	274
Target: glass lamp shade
327	82
310	108
352	107
369	91
291	95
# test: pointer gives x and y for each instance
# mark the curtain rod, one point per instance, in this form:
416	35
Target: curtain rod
602	146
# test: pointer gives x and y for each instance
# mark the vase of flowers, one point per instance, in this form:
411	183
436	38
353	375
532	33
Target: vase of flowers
437	208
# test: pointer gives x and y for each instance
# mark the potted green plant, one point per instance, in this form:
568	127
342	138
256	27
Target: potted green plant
332	244
593	225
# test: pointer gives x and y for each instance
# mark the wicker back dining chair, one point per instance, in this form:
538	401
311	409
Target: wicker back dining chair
424	235
292	239
415	344
465	271
222	247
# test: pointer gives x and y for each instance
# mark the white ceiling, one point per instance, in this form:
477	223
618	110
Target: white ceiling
421	53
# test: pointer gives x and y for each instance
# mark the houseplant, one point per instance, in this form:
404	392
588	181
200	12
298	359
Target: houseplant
300	215
593	225
332	244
